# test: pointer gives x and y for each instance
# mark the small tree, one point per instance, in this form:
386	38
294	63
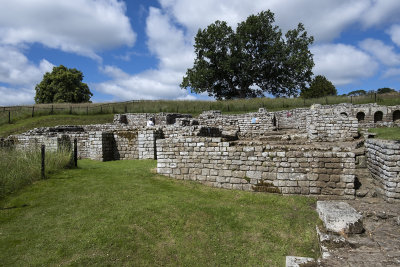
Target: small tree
385	90
62	85
319	87
357	93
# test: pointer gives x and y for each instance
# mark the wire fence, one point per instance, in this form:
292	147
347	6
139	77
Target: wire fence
11	114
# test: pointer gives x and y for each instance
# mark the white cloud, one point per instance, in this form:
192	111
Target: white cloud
168	43
323	19
16	69
380	12
175	54
394	32
20	96
342	64
78	26
382	52
151	84
392	72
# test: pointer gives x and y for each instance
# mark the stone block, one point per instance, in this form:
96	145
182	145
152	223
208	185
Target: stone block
340	217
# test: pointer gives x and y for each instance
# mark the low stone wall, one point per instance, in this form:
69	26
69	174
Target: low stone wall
331	127
383	161
254	166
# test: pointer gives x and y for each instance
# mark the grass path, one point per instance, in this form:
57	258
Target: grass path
121	213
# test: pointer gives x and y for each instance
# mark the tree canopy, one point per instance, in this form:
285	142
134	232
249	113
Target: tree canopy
385	90
319	87
357	93
62	85
251	61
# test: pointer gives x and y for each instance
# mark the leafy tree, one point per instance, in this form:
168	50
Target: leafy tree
319	87
62	85
357	93
251	61
385	90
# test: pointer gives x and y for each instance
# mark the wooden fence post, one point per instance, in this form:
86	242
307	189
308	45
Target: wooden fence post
52	109
33	111
43	150
9	116
75	152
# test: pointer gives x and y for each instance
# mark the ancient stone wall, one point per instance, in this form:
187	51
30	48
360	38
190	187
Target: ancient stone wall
248	125
383	161
331	127
254	166
140	119
292	119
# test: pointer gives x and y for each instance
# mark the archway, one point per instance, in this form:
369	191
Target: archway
378	116
396	115
360	116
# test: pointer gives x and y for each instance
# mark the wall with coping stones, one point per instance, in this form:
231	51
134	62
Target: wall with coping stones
383	161
331	127
254	166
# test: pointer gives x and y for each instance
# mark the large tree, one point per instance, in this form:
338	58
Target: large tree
319	87
62	85
251	61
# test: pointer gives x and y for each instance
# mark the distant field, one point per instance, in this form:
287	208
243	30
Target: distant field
23	125
15	113
120	213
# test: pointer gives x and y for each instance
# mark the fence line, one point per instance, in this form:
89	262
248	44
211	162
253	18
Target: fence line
13	113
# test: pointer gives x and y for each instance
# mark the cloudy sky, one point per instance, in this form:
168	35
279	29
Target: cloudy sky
140	49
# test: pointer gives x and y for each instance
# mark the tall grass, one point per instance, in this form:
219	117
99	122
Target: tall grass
20	168
10	114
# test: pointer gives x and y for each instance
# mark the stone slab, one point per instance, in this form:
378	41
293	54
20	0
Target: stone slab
293	261
340	217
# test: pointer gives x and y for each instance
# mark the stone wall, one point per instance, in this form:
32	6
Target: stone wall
140	119
254	166
247	125
331	127
383	161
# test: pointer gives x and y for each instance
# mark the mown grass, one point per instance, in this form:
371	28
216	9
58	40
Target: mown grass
186	106
20	168
392	133
120	213
23	125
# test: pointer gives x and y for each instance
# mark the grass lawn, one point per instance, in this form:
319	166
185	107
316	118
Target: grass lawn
392	133
23	125
121	213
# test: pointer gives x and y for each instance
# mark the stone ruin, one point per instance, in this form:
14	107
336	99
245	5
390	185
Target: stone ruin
318	151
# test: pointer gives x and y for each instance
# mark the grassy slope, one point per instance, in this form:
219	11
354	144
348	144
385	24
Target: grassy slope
24	125
387	133
120	213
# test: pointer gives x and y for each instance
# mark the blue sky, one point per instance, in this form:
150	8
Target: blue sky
141	49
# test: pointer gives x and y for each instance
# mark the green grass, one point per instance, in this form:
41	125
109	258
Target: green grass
20	168
120	213
392	133
23	125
